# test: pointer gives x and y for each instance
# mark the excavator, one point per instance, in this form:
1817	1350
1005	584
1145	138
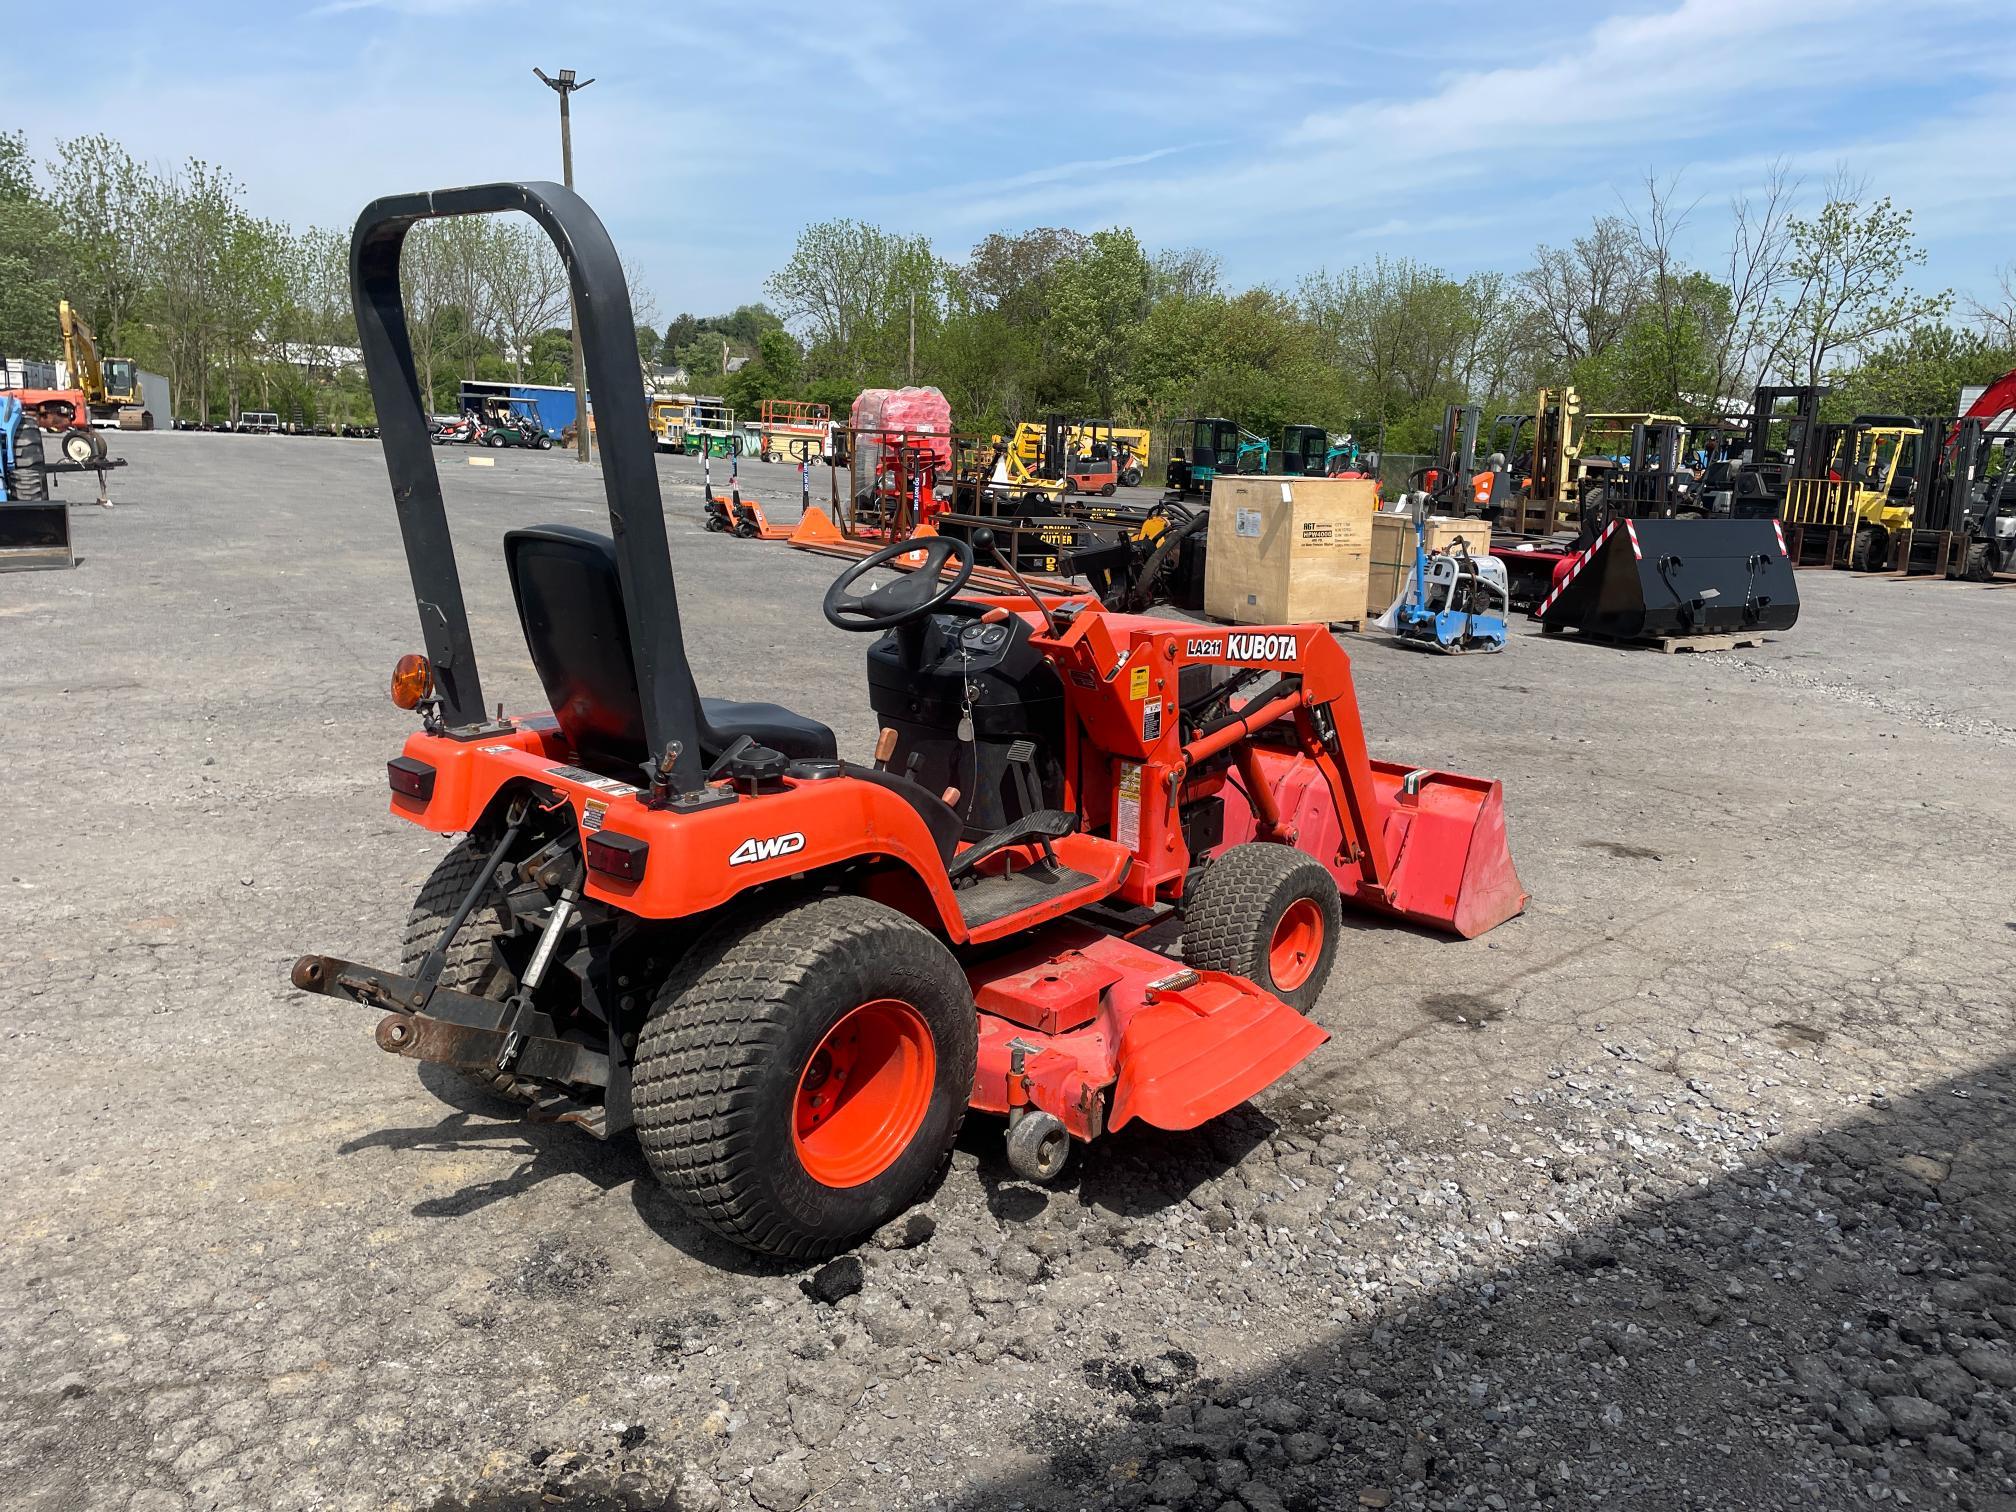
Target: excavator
107	392
111	385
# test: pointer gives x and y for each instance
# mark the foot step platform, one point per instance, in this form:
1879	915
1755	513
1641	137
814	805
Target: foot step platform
1041	827
996	897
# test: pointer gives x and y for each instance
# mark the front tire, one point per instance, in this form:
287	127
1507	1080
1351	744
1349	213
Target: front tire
1269	913
801	1077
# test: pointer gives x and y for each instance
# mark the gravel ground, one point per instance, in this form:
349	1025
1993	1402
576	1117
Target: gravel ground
1691	1188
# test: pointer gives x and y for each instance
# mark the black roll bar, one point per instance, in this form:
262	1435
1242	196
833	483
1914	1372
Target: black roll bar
629	469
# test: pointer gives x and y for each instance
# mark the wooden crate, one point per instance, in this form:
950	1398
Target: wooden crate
1287	551
1393	552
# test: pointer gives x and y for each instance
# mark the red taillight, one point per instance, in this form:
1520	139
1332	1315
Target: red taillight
413	779
620	856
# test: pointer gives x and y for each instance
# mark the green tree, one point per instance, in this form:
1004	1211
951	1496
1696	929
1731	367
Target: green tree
103	195
34	257
857	290
1580	298
1844	288
1098	300
1918	372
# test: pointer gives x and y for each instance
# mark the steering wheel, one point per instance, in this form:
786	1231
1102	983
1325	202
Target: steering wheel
906	598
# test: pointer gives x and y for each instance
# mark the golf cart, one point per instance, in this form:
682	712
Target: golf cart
515	422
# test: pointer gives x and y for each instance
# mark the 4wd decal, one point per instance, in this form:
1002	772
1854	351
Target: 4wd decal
753	849
1252	650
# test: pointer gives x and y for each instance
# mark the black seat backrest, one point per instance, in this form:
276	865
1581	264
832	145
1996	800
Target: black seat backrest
570	604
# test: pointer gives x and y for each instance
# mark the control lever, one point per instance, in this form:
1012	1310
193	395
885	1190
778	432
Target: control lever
983	540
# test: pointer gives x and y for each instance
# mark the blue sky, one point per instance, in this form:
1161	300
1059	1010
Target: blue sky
1284	136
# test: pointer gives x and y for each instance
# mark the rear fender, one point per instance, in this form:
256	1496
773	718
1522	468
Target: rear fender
698	862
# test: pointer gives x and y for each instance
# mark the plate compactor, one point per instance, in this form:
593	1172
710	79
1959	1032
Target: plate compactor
1452	602
793	973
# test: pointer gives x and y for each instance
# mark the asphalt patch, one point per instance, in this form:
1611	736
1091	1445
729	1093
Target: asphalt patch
1465	1010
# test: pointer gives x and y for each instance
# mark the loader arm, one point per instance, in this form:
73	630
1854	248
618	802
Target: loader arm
81	353
1423	844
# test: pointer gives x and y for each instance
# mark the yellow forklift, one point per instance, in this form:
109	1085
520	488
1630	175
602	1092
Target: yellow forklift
1859	501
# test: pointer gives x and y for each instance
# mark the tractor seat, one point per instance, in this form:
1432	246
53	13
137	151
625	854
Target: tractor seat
570	605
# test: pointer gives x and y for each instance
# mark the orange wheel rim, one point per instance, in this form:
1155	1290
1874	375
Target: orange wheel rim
1297	942
863	1093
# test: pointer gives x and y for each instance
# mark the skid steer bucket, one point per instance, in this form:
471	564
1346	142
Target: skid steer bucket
1452	865
1653	579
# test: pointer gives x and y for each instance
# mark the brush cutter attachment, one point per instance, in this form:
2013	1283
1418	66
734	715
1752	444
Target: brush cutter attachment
1652	579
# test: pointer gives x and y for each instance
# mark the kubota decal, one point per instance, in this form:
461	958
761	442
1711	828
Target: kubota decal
754	849
1254	649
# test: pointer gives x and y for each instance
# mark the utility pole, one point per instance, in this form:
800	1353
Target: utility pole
564	86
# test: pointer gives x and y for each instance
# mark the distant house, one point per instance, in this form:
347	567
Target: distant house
316	356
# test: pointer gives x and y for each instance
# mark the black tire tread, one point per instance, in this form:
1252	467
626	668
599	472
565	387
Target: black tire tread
716	1020
29	481
468	958
1223	916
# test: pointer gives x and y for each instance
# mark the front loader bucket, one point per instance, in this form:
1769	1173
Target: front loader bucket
1645	579
1452	865
34	533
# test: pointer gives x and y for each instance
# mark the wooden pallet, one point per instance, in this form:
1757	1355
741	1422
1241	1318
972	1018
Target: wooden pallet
1669	644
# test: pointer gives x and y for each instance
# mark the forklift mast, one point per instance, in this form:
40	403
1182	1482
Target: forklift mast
1555	446
1456	453
1652	482
1946	492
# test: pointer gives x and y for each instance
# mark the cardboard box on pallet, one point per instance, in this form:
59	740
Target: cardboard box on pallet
1393	551
1283	551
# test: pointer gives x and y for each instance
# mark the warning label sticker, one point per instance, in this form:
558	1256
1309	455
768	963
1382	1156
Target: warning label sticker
1151	720
593	780
1127	821
1137	683
593	812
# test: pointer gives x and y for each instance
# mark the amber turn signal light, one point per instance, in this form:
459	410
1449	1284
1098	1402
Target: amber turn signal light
412	680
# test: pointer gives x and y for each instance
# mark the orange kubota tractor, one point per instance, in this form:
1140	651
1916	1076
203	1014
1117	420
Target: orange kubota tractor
794	973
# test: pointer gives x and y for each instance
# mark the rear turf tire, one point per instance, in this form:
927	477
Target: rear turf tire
725	1061
1269	913
472	965
29	480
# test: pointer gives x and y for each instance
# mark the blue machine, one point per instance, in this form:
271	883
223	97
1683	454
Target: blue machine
1454	602
34	528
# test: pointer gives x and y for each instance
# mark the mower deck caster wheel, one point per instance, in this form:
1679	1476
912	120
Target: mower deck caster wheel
1039	1147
